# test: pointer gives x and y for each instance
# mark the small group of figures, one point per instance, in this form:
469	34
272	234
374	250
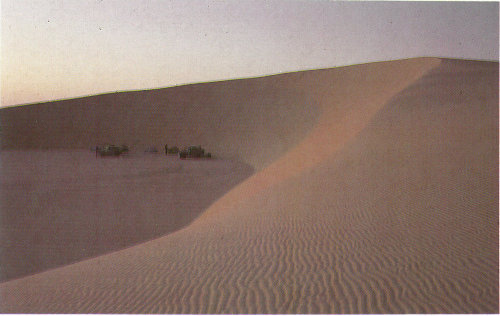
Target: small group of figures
189	152
111	150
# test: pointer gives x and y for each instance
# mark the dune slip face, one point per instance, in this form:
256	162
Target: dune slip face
384	202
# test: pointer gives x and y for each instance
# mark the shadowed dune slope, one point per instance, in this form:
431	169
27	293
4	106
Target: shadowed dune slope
255	120
394	211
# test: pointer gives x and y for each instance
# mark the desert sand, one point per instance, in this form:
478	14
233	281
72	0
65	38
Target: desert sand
375	191
62	206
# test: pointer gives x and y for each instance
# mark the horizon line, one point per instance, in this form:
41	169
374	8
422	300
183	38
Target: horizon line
232	79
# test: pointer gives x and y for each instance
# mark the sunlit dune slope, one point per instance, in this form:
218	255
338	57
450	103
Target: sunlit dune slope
388	204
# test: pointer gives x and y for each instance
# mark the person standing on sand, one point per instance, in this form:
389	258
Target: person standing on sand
166	149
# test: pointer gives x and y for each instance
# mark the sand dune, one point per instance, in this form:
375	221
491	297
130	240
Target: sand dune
255	120
384	202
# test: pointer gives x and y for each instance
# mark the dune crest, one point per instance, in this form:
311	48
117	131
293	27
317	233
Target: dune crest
394	211
347	106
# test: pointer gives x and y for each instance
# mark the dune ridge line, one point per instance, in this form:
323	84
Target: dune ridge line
345	112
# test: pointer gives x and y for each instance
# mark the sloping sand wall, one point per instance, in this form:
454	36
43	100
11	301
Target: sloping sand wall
255	120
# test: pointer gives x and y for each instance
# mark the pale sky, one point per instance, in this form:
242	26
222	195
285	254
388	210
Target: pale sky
56	49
